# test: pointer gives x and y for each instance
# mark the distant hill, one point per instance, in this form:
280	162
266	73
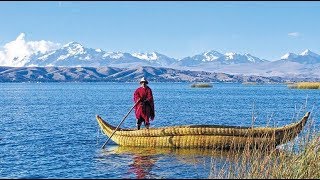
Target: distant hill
113	74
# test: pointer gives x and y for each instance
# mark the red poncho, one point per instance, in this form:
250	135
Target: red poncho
145	108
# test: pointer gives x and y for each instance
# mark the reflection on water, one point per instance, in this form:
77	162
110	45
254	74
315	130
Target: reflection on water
142	166
175	151
139	163
142	163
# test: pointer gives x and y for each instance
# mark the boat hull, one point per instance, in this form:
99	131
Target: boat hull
204	136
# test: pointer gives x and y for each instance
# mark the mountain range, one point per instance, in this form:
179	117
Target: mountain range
73	54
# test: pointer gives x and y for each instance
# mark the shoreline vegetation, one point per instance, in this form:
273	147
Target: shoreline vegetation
299	159
201	85
249	83
304	85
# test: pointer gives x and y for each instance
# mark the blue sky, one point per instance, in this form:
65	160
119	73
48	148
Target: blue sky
178	29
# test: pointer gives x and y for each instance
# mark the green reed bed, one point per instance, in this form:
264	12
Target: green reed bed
297	160
305	85
201	85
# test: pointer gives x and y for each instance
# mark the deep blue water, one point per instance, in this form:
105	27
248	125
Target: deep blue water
49	130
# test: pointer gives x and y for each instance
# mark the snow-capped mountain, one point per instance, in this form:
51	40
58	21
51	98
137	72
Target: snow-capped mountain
289	56
219	58
75	54
208	56
195	60
155	58
71	54
234	58
307	52
306	57
305	64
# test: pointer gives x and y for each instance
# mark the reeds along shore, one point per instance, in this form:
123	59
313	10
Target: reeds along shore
295	160
305	85
201	85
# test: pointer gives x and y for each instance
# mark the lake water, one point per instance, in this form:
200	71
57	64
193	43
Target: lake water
49	130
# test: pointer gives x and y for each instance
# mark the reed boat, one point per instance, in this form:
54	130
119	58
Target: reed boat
204	136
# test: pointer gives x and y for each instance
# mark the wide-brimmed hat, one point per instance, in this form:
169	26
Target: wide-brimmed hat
143	80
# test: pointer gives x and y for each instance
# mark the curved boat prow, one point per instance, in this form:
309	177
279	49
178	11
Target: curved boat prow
106	127
289	132
307	115
305	118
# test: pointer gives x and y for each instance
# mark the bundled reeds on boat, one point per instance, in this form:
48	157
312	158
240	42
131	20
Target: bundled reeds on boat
204	136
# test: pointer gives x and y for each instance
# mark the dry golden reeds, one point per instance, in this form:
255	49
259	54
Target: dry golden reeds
305	85
201	85
299	160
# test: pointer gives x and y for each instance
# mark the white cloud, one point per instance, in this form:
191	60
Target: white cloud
294	34
16	53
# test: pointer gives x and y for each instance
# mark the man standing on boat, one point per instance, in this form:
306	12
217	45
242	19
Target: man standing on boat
144	110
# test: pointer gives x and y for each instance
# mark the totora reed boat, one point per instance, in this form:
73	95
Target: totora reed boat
204	136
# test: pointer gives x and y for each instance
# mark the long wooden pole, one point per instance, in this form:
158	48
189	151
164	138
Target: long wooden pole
120	123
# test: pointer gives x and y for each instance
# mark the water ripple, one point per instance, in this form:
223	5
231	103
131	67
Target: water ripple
48	130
